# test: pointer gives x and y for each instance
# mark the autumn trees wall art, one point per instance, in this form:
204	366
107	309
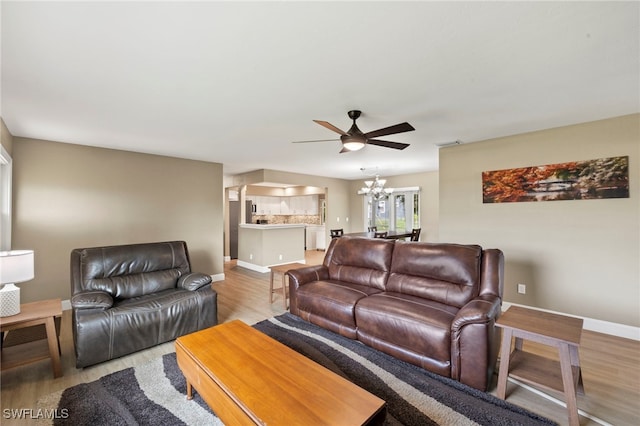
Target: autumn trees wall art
576	180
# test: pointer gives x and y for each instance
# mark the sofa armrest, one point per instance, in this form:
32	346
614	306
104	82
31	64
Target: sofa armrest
302	276
92	300
193	281
481	310
474	341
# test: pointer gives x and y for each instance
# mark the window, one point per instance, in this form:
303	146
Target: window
401	211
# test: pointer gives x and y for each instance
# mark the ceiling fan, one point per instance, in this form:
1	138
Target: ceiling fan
354	139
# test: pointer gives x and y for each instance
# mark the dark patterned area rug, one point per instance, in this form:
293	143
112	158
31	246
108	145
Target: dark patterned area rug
154	393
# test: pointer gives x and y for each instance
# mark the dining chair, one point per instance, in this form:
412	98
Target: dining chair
337	233
381	234
415	234
372	228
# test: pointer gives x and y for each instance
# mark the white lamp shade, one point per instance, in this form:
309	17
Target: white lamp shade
16	266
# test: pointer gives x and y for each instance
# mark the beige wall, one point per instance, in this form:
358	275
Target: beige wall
68	196
577	257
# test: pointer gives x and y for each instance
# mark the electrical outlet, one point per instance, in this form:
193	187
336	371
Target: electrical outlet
522	288
280	257
251	257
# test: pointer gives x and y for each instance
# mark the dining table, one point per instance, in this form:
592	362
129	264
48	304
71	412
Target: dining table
391	235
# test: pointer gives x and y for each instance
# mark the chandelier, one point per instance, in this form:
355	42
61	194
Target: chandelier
375	188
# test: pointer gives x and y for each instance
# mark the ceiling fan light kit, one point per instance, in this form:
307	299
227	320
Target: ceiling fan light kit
352	143
354	139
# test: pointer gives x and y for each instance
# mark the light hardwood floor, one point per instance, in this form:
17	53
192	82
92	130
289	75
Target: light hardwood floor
610	365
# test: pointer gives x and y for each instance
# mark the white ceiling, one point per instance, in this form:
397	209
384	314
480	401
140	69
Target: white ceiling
237	82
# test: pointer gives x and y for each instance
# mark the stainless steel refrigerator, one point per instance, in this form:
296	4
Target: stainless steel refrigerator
234	221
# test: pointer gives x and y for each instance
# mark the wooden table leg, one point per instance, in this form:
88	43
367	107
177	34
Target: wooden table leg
54	348
271	288
189	391
505	355
568	381
284	291
517	344
575	362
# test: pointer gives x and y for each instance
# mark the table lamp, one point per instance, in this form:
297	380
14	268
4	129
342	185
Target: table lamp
16	266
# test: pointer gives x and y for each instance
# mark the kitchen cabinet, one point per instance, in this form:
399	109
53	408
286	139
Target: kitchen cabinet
296	205
267	205
284	206
303	205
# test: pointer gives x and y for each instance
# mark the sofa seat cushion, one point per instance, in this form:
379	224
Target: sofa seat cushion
141	322
151	302
410	328
330	304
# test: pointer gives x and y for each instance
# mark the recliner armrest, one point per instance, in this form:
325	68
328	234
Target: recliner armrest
302	276
193	281
482	309
92	300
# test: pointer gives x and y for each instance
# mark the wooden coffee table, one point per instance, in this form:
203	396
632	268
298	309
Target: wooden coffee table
248	378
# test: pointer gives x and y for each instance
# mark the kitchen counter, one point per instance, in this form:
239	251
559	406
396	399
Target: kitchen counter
271	226
262	246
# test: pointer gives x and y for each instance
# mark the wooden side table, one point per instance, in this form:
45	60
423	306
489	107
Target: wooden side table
36	313
555	330
282	269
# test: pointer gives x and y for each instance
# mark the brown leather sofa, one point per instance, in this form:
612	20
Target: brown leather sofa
131	297
432	305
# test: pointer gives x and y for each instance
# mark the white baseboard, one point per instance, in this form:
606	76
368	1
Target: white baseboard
592	324
226	259
253	267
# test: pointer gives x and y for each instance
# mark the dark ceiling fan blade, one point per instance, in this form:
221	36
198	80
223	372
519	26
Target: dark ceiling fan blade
387	144
318	140
398	128
343	150
330	127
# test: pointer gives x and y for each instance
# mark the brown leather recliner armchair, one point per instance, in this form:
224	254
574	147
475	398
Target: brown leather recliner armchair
131	297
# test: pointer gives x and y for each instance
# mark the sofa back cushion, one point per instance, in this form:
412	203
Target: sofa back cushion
446	273
129	270
364	261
